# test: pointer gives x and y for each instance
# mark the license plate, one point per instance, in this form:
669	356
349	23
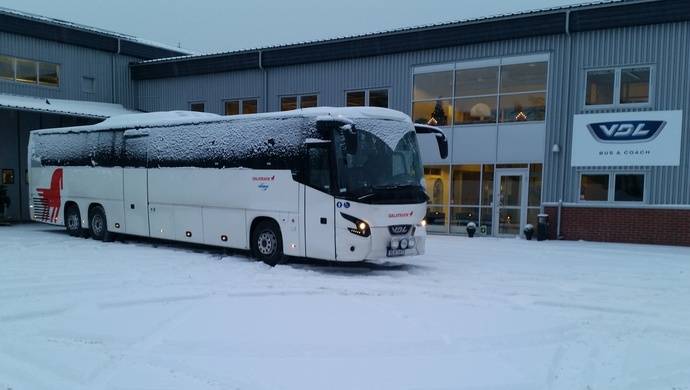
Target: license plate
395	252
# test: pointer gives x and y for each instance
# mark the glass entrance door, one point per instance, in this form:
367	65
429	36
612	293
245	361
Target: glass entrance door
510	203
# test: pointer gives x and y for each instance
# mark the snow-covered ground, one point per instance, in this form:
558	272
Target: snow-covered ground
471	314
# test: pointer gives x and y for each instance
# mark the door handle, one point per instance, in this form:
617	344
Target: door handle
324	221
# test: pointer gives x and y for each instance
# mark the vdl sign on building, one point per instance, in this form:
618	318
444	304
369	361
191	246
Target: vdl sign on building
642	138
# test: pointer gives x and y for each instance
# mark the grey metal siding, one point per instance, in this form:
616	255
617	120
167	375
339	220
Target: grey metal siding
109	70
665	47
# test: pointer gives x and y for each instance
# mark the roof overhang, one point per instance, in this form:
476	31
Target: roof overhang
62	106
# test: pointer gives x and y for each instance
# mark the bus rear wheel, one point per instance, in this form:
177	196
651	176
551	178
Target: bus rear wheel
267	243
98	224
73	221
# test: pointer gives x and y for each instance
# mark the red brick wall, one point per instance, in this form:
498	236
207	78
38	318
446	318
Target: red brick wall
642	226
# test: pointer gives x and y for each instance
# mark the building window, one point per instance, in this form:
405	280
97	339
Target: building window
6	68
634	85
629	188
372	98
244	106
618	187
594	188
618	86
288	103
47	74
493	91
26	71
437	180
29	71
197	106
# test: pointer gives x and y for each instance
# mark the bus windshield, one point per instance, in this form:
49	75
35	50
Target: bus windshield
376	172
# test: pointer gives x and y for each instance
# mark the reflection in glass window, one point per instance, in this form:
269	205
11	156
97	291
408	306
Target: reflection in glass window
7	68
308	101
435	113
461	216
594	188
288	103
232	107
356	99
436	180
26	71
523	77
523	107
474	82
486	220
378	98
48	74
488	185
600	85
634	85
250	106
465	189
475	110
629	188
435	85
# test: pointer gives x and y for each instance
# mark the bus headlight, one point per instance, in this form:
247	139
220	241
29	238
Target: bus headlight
423	222
361	227
395	243
403	243
411	242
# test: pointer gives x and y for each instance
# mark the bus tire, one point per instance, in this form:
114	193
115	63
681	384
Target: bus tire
267	243
98	224
73	221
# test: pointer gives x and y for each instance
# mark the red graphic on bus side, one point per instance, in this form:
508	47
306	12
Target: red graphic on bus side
50	197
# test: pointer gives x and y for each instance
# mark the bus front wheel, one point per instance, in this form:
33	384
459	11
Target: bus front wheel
267	243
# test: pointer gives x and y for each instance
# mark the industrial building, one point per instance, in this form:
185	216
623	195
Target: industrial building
577	112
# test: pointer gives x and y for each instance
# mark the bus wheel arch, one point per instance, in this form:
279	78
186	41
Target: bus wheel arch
98	223
266	241
72	219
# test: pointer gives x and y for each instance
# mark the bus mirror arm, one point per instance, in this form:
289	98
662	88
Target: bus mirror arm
441	139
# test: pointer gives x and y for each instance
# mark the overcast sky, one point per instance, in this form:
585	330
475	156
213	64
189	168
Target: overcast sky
223	25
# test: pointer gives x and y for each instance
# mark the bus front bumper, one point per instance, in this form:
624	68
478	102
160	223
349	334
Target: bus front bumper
379	245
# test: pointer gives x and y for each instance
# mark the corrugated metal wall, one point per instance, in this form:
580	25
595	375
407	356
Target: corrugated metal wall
665	46
110	71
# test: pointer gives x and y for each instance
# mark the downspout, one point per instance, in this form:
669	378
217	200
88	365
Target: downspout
569	54
265	82
112	73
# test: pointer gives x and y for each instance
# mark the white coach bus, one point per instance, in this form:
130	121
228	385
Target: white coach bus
341	184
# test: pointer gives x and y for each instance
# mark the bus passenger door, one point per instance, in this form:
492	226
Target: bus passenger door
136	201
319	204
135	183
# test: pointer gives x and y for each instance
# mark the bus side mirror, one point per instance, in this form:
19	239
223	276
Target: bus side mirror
350	138
329	122
441	139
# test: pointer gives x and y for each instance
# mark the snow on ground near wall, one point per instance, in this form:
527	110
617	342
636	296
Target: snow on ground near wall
471	314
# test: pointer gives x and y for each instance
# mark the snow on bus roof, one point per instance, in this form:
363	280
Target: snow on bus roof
176	118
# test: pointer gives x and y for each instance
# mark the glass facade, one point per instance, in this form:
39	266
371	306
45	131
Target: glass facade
460	194
481	93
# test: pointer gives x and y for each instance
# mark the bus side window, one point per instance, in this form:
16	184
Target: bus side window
319	168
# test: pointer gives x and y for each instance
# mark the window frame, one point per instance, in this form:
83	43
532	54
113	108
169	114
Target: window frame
299	99
611	194
240	102
37	64
499	61
193	102
617	71
367	92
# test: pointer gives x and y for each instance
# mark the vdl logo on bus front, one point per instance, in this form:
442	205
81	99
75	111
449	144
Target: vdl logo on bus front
626	131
